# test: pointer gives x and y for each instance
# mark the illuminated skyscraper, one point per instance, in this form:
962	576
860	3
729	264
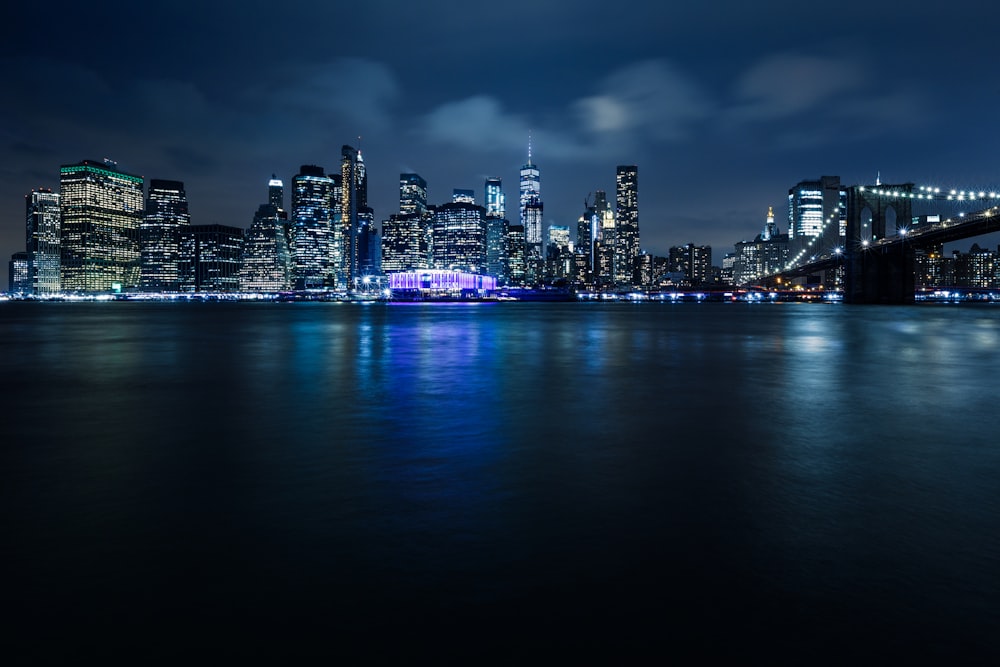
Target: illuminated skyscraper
18	281
266	265
42	229
531	208
102	211
276	193
495	201
459	237
354	198
313	200
412	194
817	215
160	236
627	225
405	243
210	258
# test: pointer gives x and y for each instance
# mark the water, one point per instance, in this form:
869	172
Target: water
501	482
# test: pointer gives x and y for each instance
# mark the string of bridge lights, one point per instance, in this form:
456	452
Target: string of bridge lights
928	192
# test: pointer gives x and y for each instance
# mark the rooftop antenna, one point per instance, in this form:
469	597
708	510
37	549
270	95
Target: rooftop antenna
878	178
529	146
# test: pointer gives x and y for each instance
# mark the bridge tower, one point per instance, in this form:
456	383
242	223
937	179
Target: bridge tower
877	274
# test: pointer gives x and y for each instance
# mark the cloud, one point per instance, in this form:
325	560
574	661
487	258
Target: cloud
796	101
353	90
650	97
477	123
646	100
787	84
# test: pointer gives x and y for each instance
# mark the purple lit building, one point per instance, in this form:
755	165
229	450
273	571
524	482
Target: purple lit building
441	281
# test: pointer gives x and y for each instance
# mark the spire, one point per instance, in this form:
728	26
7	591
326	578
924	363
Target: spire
529	146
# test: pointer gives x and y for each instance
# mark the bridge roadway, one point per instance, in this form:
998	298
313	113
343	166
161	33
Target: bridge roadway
883	271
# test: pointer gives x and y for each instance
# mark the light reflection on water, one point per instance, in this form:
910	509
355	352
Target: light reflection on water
826	469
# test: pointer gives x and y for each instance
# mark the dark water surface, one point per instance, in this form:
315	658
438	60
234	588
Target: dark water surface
501	482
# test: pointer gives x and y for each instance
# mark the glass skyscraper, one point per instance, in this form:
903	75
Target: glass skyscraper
313	197
42	231
412	194
102	211
459	237
266	265
160	236
531	208
627	224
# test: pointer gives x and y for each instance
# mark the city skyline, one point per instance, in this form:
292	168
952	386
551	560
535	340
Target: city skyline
719	139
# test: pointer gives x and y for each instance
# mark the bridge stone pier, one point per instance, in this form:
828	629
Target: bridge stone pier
876	273
881	275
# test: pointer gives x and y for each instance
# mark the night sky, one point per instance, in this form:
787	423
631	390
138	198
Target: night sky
722	105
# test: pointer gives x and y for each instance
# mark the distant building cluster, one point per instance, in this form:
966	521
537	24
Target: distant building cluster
108	231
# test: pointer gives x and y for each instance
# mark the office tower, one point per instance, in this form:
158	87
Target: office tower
817	214
313	200
102	210
459	195
17	276
42	232
559	239
211	256
765	255
495	201
531	194
627	226
405	244
497	264
770	227
160	236
496	248
459	237
266	259
558	253
588	229
516	254
354	198
276	193
412	194
533	214
369	244
694	262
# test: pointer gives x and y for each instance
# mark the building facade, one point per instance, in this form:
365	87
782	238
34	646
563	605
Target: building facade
102	210
315	200
160	236
627	222
266	264
211	257
43	226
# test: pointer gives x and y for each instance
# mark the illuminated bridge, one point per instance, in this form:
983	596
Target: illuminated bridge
880	267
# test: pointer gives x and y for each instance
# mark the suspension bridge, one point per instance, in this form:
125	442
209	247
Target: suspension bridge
878	264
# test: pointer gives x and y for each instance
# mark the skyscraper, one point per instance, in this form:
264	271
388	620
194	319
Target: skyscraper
627	226
412	194
160	236
531	209
459	238
313	195
276	193
354	198
266	265
42	231
210	258
817	214
495	201
102	210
